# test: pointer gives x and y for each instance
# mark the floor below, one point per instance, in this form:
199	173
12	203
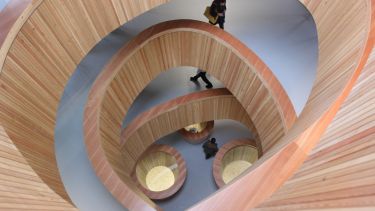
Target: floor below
199	180
275	33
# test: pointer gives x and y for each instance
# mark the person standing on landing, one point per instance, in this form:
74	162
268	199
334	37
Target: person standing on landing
210	148
218	8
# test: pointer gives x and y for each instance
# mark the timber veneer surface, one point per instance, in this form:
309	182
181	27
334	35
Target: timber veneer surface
41	51
199	136
159	48
195	107
339	171
315	118
179	111
154	157
20	187
346	35
58	34
219	162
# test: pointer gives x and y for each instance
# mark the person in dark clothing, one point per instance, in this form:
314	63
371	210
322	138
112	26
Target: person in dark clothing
210	148
202	74
218	8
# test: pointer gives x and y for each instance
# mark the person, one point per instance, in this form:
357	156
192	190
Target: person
210	148
202	74
218	8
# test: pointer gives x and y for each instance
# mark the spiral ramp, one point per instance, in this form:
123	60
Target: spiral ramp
321	160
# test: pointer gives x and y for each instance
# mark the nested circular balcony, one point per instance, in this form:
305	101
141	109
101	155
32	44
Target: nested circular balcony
160	172
198	132
233	159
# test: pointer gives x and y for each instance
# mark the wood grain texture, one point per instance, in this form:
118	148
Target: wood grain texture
20	187
12	17
168	117
59	33
178	111
157	49
345	41
339	171
219	163
148	161
40	52
9	15
200	136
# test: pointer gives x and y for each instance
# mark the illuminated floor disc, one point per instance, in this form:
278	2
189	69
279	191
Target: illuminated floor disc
233	169
159	178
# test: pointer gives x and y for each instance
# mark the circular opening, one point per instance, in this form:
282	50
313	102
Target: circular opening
236	161
198	132
196	128
159	178
233	169
157	171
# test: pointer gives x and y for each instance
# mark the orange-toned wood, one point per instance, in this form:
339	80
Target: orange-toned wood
267	107
160	48
179	108
53	38
346	36
195	107
180	172
217	168
198	137
9	16
20	187
12	17
142	59
60	33
39	54
339	170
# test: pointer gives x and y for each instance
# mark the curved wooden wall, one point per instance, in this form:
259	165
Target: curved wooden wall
42	50
218	165
12	17
176	43
198	136
20	187
159	48
172	115
207	104
167	156
58	34
345	41
339	171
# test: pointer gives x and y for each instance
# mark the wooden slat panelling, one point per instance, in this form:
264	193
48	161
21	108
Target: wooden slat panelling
160	155
346	35
12	17
339	171
20	187
219	162
157	49
40	52
28	105
209	105
162	119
